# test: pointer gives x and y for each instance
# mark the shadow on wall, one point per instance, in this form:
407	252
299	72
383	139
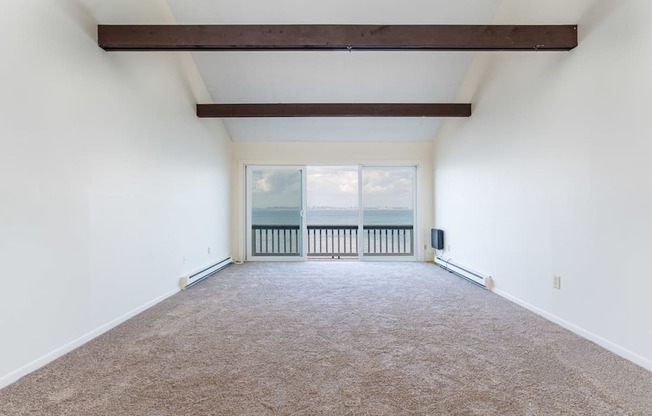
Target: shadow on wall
484	75
595	15
81	16
193	88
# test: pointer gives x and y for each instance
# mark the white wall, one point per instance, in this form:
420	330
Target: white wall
334	154
107	178
552	174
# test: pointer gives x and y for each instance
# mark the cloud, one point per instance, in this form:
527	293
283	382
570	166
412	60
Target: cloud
333	186
388	187
274	187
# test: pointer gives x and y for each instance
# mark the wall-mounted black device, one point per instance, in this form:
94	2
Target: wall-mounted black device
437	239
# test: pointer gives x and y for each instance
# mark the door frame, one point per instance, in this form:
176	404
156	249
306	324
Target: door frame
303	230
415	216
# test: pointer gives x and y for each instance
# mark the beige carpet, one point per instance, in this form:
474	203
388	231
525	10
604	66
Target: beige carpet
335	338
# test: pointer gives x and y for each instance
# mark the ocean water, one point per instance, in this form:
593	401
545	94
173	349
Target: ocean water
280	216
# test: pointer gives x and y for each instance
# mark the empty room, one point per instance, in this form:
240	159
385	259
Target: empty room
353	207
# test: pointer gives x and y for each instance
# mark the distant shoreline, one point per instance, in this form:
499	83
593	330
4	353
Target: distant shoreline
337	216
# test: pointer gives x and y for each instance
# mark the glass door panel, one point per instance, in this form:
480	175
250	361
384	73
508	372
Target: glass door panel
388	217
275	212
332	215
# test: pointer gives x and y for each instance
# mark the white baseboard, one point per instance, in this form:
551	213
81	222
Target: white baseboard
615	348
61	351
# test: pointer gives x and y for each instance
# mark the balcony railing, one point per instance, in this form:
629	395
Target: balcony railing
276	240
334	241
388	240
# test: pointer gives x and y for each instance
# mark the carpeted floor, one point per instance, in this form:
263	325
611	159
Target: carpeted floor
335	338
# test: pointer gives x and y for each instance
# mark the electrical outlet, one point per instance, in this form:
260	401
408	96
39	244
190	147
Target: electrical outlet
448	248
556	282
184	259
209	250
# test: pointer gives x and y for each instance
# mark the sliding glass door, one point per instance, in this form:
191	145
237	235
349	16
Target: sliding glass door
275	213
388	199
365	212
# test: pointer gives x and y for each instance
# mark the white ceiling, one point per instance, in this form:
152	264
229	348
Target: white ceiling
333	76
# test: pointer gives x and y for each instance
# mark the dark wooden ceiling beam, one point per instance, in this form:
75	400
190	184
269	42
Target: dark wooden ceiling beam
336	37
333	110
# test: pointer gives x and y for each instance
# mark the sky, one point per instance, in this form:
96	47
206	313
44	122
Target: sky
388	187
276	187
334	186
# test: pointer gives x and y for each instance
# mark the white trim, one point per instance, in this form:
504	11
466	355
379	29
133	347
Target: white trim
388	259
615	348
361	256
295	259
66	348
240	213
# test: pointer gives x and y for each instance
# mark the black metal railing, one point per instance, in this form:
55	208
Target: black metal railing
388	240
276	240
335	241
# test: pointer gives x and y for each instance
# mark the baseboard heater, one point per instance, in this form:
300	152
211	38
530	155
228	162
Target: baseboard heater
474	277
195	277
